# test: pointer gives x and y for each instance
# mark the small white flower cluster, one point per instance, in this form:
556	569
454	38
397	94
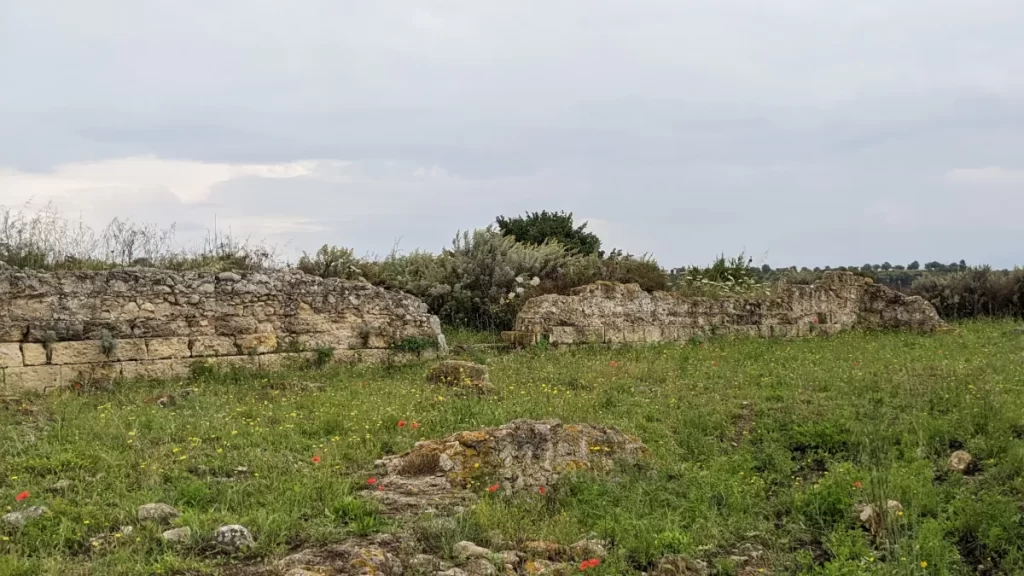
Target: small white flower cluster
519	290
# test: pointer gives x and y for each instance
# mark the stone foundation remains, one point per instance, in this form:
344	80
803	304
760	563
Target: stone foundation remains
67	328
606	313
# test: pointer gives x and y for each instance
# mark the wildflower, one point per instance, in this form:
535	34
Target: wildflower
371	481
715	364
858	484
380	488
401	423
613	364
924	564
493	487
534	281
315	459
22	497
588	564
542	490
415	425
815	319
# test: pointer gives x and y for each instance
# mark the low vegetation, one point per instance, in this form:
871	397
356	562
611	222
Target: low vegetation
761	452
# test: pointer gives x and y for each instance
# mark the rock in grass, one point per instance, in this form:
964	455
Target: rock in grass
177	535
21	517
459	374
470	550
479	567
961	461
234	537
60	487
157	512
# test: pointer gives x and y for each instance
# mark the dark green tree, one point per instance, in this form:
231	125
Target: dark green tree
540	227
915	265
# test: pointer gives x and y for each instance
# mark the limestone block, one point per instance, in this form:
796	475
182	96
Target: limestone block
563	335
155	369
10	355
33	354
257	343
235	325
166	348
90	351
653	334
284	360
84	374
213	346
33	378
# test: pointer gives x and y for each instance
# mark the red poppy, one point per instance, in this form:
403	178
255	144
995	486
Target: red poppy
613	364
815	319
371	481
22	497
588	564
543	490
714	364
415	425
401	423
493	487
858	484
315	459
380	488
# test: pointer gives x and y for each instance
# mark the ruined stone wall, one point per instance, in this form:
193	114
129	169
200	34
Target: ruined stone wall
623	313
156	323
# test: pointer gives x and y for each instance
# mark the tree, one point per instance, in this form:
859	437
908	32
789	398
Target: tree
766	269
886	266
540	227
865	268
934	266
899	267
915	265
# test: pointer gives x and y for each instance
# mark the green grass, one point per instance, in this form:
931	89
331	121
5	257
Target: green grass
883	411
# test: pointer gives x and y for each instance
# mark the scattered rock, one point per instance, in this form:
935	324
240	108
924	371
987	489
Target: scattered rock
678	565
872	519
301	572
157	512
586	549
60	487
469	550
521	455
234	537
425	563
545	550
546	568
21	517
452	572
228	277
459	374
177	535
479	567
110	539
962	462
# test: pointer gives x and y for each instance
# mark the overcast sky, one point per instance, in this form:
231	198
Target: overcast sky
809	132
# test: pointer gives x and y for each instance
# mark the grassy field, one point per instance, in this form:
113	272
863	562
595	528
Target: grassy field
757	444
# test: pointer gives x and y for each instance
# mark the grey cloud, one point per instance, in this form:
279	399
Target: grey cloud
818	131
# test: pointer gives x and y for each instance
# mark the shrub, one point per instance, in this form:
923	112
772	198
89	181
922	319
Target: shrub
538	228
331	262
322	356
44	240
978	291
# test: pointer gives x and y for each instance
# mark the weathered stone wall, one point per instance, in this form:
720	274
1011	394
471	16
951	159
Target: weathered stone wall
53	325
623	313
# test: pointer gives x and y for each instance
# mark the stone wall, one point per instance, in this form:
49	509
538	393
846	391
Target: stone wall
59	329
607	313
